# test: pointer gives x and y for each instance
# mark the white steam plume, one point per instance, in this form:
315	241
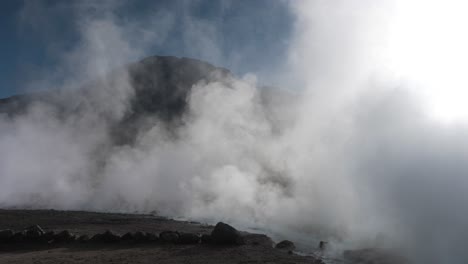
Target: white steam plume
356	156
403	168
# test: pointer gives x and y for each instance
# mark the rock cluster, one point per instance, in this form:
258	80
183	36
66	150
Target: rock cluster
222	234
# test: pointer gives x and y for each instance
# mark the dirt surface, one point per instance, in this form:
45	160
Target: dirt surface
258	248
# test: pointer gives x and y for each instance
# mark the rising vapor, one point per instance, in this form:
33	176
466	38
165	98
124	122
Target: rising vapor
345	152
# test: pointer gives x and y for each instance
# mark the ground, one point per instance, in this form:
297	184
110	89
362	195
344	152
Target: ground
258	248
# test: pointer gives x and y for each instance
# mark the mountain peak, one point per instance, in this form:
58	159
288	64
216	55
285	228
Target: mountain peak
160	87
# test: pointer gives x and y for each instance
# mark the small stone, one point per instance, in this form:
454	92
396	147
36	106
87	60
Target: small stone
169	237
151	237
83	238
6	235
188	238
285	245
19	237
110	237
128	237
206	239
97	238
48	237
323	245
64	237
140	237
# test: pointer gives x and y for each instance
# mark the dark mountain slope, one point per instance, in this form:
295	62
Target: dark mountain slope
160	89
161	85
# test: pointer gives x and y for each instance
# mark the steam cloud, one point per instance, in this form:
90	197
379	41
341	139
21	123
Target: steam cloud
345	154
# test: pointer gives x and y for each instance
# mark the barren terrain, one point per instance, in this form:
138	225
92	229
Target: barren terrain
257	248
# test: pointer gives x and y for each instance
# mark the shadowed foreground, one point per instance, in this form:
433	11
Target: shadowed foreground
257	248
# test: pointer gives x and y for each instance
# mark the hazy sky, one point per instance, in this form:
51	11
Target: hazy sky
248	34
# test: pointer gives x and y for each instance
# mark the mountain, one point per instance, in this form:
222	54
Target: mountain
160	86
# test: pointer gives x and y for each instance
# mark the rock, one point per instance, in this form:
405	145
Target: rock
206	239
188	238
151	237
323	245
140	237
106	237
6	235
48	237
285	245
169	237
19	237
109	237
226	235
64	237
128	237
34	233
97	238
83	239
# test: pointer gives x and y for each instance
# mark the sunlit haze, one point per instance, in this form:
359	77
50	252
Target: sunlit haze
427	47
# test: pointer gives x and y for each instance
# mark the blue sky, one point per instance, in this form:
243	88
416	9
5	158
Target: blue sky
250	36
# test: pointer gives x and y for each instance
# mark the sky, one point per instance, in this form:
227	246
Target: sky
248	34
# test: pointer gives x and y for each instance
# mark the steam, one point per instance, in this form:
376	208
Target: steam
346	154
402	171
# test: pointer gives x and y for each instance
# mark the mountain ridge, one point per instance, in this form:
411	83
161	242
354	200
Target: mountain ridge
159	87
151	78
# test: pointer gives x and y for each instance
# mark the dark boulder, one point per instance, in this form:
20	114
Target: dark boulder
226	235
19	237
140	237
6	235
188	238
34	233
48	237
285	245
83	239
109	237
169	237
206	239
151	237
64	237
97	238
128	237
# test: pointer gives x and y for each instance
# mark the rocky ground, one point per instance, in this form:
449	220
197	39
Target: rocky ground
187	242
